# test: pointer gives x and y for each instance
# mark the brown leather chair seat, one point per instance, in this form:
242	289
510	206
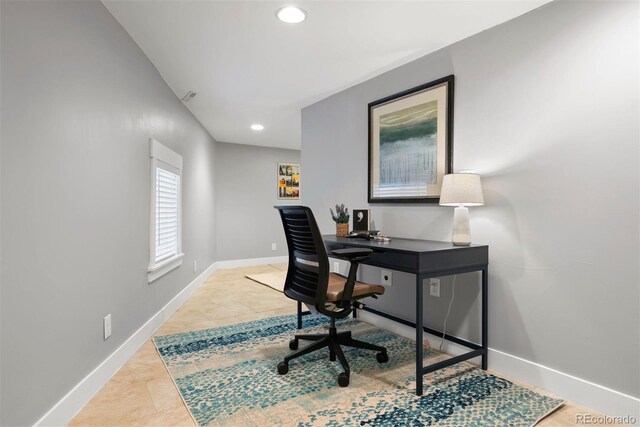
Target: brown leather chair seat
335	289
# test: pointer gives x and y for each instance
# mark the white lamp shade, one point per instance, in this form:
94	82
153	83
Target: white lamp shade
461	189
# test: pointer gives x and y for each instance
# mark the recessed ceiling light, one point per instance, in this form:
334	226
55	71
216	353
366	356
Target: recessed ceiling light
291	14
257	126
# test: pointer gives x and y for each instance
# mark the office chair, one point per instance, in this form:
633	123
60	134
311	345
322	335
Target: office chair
309	281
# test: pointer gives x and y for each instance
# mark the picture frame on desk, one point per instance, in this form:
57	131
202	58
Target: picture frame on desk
361	220
410	143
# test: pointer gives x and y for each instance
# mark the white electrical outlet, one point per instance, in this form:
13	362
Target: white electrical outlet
386	277
434	287
107	326
336	267
274	247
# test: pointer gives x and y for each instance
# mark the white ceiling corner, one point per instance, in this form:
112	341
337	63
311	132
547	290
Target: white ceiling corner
247	67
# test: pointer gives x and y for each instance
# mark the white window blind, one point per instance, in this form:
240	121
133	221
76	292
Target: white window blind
167	187
166	211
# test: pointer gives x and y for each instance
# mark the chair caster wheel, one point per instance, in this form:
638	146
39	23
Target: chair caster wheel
283	368
343	379
382	357
293	344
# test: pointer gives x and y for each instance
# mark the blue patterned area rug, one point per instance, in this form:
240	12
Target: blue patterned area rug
227	376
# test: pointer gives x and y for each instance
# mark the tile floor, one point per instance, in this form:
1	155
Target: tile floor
142	392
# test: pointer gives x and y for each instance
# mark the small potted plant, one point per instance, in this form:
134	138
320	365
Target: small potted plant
341	217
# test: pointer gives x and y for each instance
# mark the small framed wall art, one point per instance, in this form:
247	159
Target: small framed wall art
410	143
288	181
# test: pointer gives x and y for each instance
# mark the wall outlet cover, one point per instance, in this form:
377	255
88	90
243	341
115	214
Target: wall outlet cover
434	287
386	277
107	326
336	267
274	247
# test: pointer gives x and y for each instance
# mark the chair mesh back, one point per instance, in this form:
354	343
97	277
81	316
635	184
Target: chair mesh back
308	272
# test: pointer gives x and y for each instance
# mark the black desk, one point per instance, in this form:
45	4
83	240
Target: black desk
426	259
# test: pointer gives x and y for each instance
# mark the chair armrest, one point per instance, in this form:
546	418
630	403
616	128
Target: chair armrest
354	256
352	253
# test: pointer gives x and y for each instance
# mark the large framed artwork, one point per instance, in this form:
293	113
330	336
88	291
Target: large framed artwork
410	143
288	181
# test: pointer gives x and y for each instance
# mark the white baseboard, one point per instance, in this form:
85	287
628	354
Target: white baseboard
251	261
581	392
577	390
64	411
568	387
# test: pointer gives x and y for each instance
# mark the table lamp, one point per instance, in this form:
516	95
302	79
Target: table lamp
461	190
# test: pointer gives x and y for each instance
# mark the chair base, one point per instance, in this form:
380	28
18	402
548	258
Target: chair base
333	340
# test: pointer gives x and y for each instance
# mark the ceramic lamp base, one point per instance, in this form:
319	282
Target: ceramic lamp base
461	234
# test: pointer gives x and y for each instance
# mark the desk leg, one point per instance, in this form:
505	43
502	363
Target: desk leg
419	332
299	315
485	317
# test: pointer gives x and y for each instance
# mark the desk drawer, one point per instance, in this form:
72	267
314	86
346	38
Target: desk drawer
394	260
381	258
427	258
333	246
454	259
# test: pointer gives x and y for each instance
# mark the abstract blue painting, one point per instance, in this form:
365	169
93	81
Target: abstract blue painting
410	143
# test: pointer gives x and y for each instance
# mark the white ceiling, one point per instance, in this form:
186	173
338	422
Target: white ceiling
248	67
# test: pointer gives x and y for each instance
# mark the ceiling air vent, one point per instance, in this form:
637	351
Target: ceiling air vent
189	96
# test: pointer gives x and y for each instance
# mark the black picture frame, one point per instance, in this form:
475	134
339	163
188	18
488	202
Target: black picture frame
361	220
417	100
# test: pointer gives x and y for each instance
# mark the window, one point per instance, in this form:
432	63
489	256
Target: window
166	210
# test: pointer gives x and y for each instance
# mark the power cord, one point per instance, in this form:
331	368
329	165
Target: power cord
444	328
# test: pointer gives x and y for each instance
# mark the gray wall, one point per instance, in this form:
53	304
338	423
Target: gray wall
546	110
247	224
79	103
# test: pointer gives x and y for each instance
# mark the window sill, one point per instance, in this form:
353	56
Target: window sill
158	270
